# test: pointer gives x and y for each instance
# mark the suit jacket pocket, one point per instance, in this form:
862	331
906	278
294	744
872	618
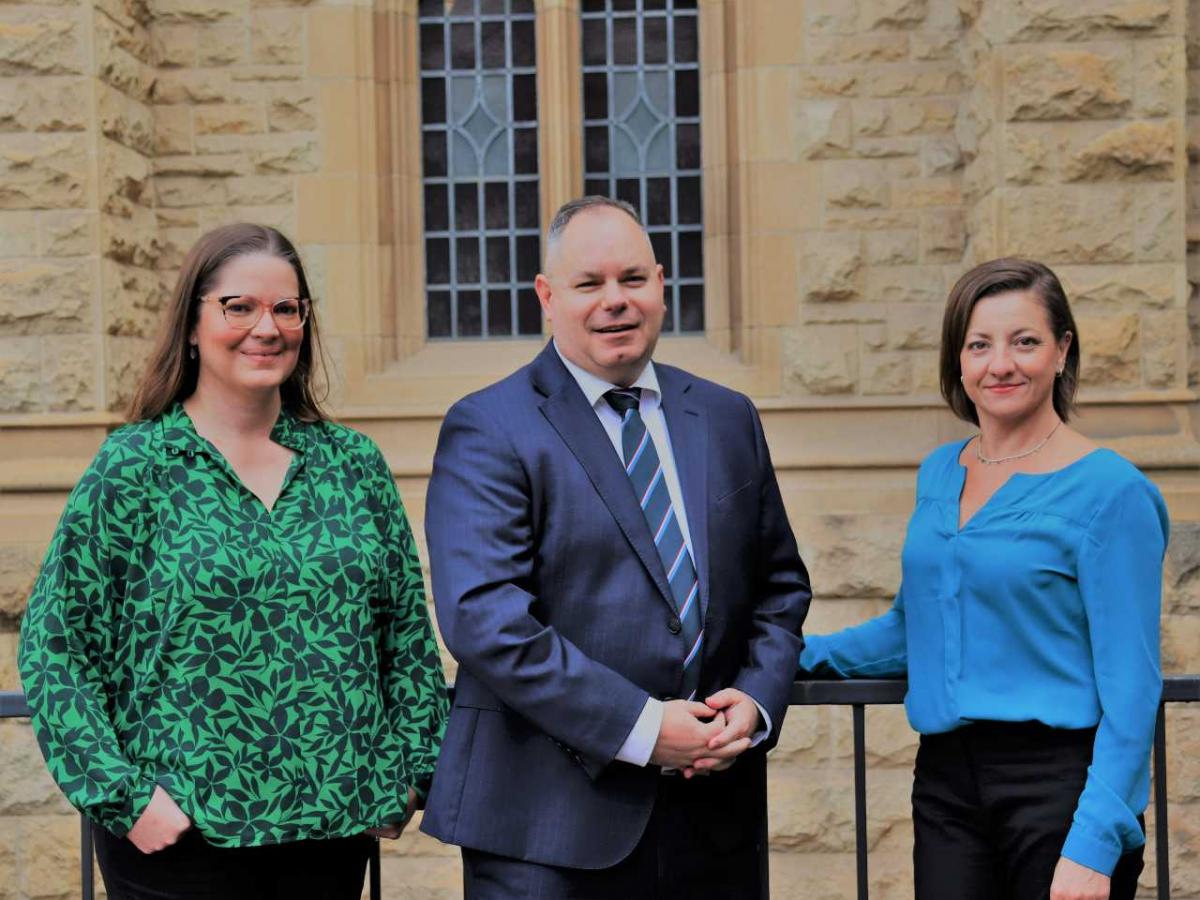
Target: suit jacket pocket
473	695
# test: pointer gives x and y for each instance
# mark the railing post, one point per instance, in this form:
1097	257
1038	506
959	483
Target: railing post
1162	827
86	854
860	798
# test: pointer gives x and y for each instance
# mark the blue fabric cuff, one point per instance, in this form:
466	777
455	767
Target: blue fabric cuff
1089	850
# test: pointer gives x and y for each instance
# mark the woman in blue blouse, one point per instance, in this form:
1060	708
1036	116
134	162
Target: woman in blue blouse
1027	620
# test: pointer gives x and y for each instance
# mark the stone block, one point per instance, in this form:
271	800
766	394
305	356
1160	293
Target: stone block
291	108
853	185
197	87
1164	347
853	555
277	37
930	46
1158	223
260	190
33	42
890	248
172	130
125	175
824	17
827	82
217	165
19	565
20	381
1031	153
821	359
831	267
1092	82
1111	356
1158	77
286	155
1068	224
175	46
67	233
231	119
43	104
121	70
871	314
45	296
906	284
224	44
925	115
133	297
859	48
1112	289
124	120
49	850
926	192
132	241
1181	643
187	191
43	171
1132	151
915	326
913	79
1182	569
197	11
1040	20
887	147
825	129
943	235
17	235
9	679
124	362
70	374
892	14
886	373
871	118
869	219
27	788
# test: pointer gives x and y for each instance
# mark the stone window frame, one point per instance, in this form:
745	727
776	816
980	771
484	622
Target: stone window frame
385	363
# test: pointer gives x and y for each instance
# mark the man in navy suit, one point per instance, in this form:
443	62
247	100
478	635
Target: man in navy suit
614	571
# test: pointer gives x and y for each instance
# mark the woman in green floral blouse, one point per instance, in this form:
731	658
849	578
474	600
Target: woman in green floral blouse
227	653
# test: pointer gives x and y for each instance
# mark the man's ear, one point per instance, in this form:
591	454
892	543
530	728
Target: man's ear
541	286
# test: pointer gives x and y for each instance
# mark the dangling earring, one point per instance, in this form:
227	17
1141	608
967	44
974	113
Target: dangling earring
192	351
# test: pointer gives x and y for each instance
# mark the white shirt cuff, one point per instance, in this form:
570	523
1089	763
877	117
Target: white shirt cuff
641	740
761	735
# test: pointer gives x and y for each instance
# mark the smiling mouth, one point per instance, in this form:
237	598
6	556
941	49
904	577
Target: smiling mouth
615	329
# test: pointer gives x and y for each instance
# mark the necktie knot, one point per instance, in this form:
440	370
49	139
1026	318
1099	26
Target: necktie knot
624	399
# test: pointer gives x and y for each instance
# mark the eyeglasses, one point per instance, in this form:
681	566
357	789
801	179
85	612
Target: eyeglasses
244	311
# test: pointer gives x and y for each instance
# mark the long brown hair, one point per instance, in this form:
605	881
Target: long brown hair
999	276
170	375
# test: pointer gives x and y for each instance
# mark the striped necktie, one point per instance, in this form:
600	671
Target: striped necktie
645	471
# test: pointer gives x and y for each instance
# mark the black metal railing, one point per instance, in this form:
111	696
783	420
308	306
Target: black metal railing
857	694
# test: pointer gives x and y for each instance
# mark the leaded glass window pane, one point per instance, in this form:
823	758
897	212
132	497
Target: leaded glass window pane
641	137
479	136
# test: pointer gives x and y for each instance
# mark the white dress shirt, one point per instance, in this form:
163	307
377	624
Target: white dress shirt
641	740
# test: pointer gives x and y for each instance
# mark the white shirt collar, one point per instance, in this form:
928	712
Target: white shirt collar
595	388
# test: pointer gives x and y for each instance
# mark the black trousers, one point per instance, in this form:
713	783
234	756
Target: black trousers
193	869
682	855
992	805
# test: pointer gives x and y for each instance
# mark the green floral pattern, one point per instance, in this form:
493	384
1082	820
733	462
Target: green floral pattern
275	672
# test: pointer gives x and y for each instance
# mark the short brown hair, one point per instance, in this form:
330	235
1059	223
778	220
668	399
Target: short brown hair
170	375
999	276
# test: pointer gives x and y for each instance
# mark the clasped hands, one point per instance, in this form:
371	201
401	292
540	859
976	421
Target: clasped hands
699	738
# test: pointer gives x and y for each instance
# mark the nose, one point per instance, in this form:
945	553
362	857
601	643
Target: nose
265	328
614	296
1001	362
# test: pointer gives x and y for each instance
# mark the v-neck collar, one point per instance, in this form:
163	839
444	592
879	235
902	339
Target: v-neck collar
179	433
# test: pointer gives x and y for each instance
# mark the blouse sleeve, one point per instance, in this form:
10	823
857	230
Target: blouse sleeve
414	686
65	636
1120	580
875	649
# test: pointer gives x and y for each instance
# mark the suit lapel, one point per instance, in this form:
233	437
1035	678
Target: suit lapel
576	423
687	424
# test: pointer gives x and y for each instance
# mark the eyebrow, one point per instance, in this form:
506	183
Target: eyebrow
1020	330
597	276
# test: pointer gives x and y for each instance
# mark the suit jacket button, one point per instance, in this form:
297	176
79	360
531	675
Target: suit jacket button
674	625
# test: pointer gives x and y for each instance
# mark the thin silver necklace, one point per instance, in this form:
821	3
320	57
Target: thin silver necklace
987	461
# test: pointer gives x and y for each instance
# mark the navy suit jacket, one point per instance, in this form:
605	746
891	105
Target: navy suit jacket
552	597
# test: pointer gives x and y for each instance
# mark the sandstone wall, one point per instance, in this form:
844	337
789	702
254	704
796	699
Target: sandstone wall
872	150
